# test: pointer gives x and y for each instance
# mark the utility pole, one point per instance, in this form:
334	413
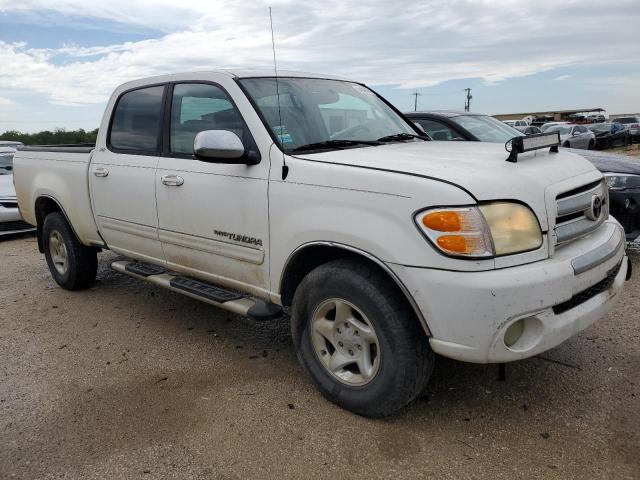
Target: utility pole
467	102
415	103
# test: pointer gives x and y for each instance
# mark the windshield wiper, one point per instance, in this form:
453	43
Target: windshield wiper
402	136
335	144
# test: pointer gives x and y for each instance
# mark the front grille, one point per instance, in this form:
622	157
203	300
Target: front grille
589	293
575	211
15	226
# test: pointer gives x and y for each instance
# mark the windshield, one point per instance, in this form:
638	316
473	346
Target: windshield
600	127
316	111
626	120
560	129
6	163
486	128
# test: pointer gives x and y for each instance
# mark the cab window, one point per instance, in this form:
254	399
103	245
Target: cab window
136	121
196	107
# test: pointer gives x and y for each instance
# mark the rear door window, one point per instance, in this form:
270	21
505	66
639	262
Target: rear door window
137	120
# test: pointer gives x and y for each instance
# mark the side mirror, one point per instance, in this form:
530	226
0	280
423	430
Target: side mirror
220	146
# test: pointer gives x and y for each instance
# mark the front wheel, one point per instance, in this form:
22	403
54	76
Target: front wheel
591	145
359	340
72	264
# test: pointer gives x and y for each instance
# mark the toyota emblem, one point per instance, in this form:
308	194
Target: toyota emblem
596	208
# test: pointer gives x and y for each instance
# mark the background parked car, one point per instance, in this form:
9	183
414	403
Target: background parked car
623	179
623	173
453	125
610	135
530	130
574	136
10	144
633	124
516	123
547	125
10	219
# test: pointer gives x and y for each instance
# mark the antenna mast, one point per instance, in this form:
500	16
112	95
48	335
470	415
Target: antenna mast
285	168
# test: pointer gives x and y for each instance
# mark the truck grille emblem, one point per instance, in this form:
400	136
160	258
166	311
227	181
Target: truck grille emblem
596	208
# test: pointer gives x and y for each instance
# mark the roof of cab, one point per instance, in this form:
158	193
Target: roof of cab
233	73
443	113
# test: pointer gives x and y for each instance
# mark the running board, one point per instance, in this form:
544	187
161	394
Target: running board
226	299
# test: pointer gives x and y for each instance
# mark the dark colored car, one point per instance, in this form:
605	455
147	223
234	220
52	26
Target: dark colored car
610	135
632	123
622	173
452	125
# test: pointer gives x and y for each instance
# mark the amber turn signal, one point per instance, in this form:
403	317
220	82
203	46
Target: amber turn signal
443	221
453	243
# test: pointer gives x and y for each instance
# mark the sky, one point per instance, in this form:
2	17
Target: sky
60	59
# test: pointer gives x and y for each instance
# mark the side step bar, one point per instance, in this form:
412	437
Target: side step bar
214	295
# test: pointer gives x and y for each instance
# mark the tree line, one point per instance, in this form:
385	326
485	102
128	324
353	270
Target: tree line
59	136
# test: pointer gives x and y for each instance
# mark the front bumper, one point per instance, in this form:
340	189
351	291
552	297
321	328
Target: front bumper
468	313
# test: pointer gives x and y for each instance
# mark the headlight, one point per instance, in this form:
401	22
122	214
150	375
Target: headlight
622	181
497	228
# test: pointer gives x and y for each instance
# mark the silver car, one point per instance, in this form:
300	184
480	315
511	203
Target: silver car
10	219
574	136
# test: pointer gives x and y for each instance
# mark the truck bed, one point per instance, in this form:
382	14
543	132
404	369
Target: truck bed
58	173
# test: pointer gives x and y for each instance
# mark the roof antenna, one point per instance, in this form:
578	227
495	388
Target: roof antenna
285	168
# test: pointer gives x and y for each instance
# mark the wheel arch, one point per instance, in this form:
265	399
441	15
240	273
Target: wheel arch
45	205
311	255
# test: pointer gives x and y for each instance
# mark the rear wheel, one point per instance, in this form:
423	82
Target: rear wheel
566	144
592	144
359	340
72	265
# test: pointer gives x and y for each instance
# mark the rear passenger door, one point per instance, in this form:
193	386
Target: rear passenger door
213	217
122	175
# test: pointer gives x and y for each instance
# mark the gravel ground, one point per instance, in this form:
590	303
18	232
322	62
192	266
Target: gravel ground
130	381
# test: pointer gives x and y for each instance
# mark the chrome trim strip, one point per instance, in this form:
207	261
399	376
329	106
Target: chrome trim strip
566	232
599	255
579	202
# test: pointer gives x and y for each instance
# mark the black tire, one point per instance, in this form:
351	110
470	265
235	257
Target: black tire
566	144
406	359
591	145
81	266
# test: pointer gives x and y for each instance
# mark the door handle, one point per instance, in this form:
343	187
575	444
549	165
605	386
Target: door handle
172	180
100	172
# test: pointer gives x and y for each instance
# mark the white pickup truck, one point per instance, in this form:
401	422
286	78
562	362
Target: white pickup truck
254	193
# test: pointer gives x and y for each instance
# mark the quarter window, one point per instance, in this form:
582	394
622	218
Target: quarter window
197	107
137	119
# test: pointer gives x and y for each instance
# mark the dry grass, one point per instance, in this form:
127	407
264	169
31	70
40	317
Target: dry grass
631	150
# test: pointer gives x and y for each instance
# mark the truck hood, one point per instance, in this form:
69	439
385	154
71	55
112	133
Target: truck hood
6	187
480	168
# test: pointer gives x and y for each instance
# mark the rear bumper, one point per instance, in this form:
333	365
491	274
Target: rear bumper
468	313
11	222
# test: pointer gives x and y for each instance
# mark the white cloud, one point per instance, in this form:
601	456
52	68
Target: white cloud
5	102
562	77
409	45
